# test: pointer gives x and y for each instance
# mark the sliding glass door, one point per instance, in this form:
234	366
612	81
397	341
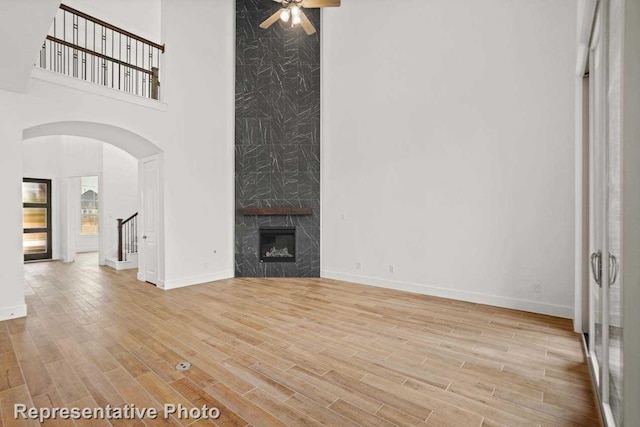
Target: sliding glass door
36	219
605	334
597	196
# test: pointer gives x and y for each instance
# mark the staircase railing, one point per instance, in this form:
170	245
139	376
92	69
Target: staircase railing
127	237
90	49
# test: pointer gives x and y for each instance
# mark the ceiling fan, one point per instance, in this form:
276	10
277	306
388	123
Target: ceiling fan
291	10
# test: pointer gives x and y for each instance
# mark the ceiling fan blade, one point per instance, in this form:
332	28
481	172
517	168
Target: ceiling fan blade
271	20
306	24
312	4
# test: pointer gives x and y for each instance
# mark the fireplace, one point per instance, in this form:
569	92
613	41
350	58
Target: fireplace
278	244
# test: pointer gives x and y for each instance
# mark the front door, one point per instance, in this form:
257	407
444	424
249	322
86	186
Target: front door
36	219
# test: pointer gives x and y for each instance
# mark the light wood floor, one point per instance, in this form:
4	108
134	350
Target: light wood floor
287	352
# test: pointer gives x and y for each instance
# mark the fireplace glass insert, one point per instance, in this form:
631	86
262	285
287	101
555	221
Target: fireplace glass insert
278	244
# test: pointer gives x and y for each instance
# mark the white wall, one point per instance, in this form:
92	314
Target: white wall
120	195
11	258
27	22
198	85
448	148
194	134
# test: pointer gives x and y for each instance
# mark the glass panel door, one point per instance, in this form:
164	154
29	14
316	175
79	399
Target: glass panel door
613	289
606	346
36	219
596	198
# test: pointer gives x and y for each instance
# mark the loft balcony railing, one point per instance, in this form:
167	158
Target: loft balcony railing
81	46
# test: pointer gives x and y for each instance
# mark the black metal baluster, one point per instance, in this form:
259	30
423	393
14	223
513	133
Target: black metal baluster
105	77
64	37
75	42
124	242
113	35
137	73
144	75
93	58
52	46
129	62
151	68
84	54
119	59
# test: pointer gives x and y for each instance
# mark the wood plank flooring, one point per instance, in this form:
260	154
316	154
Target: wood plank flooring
297	352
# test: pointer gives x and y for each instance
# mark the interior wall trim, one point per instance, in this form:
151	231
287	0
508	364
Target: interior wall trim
197	280
13	312
442	292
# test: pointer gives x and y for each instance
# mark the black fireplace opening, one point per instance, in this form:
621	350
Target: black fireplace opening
278	244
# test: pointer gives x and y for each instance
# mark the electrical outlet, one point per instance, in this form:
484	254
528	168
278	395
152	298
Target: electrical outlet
392	269
536	288
343	216
358	266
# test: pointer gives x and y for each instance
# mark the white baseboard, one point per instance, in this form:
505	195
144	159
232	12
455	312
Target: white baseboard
197	280
140	277
13	312
478	298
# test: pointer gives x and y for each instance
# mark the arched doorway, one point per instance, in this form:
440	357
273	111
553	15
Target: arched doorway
150	174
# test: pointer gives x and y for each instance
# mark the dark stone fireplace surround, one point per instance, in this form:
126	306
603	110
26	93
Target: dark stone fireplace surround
277	144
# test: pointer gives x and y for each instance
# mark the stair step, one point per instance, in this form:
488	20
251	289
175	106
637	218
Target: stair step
122	265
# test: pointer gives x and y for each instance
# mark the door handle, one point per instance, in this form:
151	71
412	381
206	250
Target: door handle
614	269
596	267
144	237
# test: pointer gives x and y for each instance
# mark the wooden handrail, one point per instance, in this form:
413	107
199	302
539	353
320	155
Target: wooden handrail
98	54
111	27
130	218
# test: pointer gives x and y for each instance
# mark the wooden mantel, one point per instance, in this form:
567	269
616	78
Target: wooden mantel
275	211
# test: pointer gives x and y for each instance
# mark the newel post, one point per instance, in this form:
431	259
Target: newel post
155	83
120	252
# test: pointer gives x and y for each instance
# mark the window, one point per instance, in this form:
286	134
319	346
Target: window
89	205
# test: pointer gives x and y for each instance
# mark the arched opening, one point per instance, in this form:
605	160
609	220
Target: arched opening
134	144
139	240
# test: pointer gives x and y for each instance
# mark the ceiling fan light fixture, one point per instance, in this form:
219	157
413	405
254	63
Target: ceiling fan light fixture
291	11
285	15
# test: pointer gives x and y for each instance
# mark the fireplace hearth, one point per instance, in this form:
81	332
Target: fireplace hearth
278	244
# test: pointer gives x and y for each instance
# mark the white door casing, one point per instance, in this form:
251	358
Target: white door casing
149	258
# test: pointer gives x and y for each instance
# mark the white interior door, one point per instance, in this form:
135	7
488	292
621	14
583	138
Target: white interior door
150	220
